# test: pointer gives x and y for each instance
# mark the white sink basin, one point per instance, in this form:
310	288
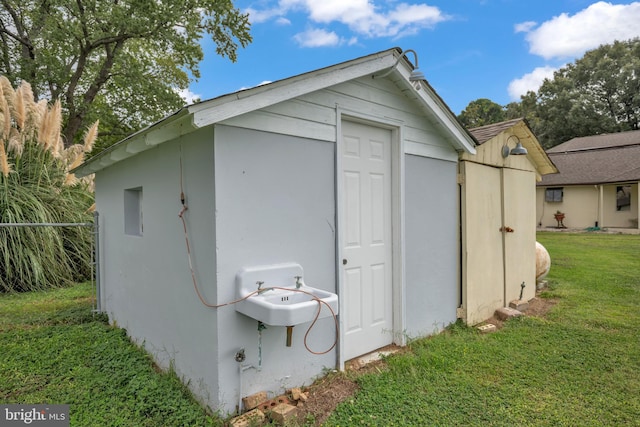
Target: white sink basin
279	302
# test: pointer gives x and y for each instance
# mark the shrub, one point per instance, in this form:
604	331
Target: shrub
36	187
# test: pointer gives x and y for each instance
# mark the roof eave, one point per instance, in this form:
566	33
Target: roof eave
190	118
208	112
177	124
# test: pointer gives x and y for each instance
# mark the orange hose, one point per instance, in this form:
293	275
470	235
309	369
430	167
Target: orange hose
207	304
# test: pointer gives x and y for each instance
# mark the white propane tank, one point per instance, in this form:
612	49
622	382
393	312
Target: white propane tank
543	262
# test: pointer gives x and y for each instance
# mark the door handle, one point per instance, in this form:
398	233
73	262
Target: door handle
506	230
344	261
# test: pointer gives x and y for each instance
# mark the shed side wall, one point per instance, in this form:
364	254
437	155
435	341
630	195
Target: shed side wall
146	283
274	204
431	242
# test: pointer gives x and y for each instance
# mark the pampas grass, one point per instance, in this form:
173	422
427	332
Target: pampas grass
36	187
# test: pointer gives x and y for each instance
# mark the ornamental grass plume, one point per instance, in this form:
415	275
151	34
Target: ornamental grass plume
74	156
36	187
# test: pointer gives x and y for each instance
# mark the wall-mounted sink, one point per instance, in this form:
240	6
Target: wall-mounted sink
286	305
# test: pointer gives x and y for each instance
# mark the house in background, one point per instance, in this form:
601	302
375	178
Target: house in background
498	218
597	183
346	176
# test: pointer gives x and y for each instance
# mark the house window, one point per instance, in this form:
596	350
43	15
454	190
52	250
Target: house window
133	211
553	194
623	197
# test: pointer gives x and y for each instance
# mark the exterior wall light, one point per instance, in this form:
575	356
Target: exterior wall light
416	76
518	150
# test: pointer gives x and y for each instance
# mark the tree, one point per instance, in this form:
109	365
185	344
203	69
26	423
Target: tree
599	93
481	112
120	61
36	187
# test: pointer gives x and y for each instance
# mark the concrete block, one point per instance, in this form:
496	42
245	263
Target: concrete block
248	419
485	329
254	400
282	413
505	313
518	304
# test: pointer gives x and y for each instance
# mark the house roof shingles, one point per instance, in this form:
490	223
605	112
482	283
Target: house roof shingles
598	141
600	159
485	133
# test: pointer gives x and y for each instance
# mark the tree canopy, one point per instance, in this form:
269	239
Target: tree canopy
481	112
598	93
122	62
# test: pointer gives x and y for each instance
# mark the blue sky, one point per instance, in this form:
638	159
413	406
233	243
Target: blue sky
467	49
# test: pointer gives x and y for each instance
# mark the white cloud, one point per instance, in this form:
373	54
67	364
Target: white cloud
524	27
188	96
529	82
264	82
282	21
566	36
370	18
317	38
258	16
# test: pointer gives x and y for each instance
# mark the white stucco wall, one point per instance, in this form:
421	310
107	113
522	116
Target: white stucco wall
146	283
432	245
275	203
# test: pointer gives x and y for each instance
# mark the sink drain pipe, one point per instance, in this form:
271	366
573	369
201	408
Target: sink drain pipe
289	335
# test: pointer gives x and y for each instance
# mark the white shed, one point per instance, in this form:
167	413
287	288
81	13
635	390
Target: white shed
344	175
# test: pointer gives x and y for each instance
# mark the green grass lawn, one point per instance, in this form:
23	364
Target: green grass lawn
54	351
579	366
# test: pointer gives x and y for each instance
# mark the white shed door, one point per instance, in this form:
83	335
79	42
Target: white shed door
366	238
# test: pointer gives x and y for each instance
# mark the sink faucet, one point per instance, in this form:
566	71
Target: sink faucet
260	289
299	282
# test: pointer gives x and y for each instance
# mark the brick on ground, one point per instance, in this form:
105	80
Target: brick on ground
485	329
248	419
297	394
282	413
254	400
